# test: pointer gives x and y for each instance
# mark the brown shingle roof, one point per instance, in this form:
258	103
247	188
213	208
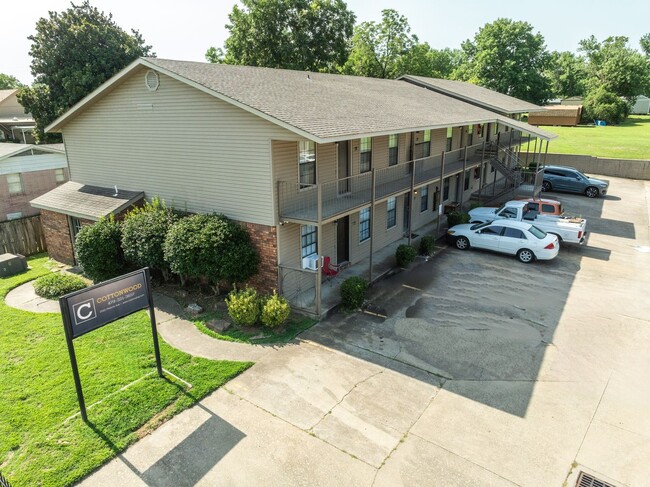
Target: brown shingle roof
327	105
84	201
472	93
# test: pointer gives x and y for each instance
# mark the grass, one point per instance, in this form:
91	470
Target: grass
41	441
294	326
629	140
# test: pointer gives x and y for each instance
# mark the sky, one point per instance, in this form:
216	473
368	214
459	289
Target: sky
185	29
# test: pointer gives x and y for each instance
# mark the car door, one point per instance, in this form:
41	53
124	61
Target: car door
488	237
561	180
577	182
512	240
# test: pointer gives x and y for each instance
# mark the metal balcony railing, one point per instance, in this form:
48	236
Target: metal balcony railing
300	202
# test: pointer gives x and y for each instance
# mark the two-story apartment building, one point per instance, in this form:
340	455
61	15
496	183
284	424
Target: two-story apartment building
15	124
28	171
312	164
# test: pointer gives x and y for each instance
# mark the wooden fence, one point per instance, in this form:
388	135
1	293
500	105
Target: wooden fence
22	236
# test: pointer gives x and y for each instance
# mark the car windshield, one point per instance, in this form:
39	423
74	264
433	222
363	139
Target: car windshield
478	226
583	176
540	234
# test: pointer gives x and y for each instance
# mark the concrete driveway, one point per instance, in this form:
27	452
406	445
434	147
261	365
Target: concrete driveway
484	371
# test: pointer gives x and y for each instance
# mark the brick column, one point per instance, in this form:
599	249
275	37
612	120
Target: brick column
57	236
264	239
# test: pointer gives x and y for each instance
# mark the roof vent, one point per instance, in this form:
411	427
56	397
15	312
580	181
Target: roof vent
151	80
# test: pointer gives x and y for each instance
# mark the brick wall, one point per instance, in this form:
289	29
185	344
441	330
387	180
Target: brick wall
57	236
265	241
35	183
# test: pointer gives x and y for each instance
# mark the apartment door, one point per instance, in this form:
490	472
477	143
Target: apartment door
407	211
343	239
488	134
343	167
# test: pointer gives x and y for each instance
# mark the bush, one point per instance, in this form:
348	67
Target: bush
99	250
456	218
353	292
55	285
601	104
427	245
405	254
211	247
243	306
275	310
143	234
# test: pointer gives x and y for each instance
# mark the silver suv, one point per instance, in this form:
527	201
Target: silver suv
560	178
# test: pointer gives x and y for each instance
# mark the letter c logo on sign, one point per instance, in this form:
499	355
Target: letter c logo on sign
84	311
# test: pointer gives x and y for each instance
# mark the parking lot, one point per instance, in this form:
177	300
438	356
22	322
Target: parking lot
475	369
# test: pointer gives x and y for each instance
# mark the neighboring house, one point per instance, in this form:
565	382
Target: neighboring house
573	100
566	115
27	171
642	105
15	124
312	164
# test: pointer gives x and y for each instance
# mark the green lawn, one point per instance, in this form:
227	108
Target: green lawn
38	445
630	140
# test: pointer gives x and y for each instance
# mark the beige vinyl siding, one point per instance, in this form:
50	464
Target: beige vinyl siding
438	141
404	147
326	158
380	152
195	151
421	218
10	107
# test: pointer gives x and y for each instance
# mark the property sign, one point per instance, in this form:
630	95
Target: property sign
86	310
99	305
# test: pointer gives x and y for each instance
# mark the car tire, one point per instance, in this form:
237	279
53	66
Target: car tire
462	243
546	186
591	192
525	255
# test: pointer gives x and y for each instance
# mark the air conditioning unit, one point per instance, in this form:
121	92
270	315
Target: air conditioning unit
310	262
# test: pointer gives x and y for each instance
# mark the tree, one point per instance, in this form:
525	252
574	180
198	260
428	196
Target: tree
601	104
645	44
506	56
567	74
8	82
613	65
307	35
378	49
422	60
73	52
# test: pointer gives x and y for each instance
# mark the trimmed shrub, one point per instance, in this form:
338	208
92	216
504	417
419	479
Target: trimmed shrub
99	250
457	218
353	292
427	245
211	247
243	306
143	234
55	285
405	254
601	104
275	310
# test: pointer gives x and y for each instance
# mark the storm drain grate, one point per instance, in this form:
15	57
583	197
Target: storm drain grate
586	480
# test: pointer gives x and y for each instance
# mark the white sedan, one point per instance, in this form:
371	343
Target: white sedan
522	239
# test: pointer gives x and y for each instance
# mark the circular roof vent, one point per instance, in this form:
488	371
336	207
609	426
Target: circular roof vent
151	80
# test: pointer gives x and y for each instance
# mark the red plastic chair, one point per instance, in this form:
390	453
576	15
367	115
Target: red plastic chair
329	269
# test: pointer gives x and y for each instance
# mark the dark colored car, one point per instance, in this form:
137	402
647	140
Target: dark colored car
559	178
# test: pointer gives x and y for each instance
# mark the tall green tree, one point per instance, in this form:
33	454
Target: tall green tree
422	60
645	44
616	67
73	52
307	35
507	56
567	74
8	82
378	49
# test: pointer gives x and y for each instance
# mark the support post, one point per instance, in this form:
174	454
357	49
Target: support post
372	221
412	202
480	176
462	191
442	192
152	318
73	362
319	237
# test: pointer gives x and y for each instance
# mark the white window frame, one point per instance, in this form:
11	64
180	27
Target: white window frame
449	145
306	148
424	198
426	140
17	182
393	143
364	224
391	209
365	147
308	234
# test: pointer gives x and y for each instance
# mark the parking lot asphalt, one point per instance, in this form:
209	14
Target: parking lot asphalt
475	369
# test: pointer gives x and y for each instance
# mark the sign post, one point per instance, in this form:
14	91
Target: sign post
91	308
